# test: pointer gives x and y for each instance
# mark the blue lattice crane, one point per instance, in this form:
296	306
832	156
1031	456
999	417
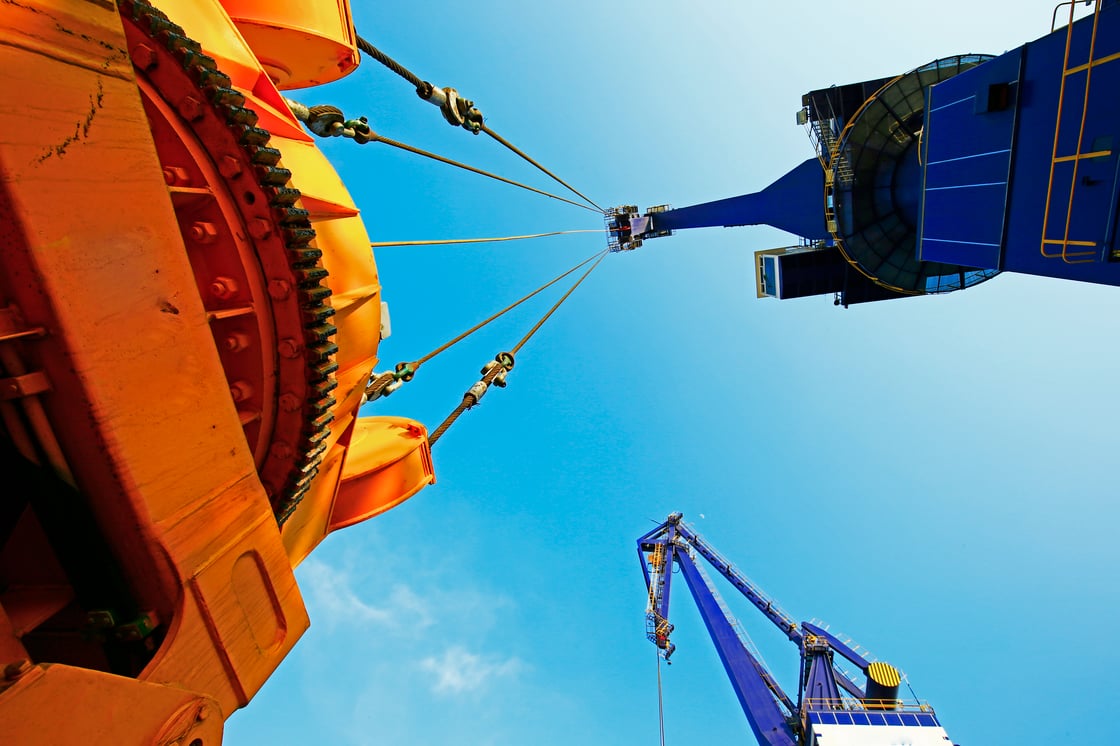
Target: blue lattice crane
832	708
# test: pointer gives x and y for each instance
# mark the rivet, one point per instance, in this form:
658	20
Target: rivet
236	342
281	450
260	228
289	348
229	166
143	56
241	390
175	175
190	108
289	402
279	289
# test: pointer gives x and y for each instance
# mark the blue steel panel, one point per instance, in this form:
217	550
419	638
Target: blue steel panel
843	718
828	718
909	718
1095	197
876	718
814	717
860	718
966	161
926	719
893	719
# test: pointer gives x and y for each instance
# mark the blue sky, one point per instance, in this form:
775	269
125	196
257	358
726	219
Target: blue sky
933	477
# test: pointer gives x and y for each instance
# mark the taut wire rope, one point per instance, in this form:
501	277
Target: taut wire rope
448	241
556	178
378	138
517	347
380	384
507	309
496	370
420	86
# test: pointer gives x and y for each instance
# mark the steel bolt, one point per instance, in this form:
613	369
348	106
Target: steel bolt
236	342
229	166
143	56
281	450
289	402
240	390
202	232
175	175
203	712
223	288
290	348
279	289
190	108
260	228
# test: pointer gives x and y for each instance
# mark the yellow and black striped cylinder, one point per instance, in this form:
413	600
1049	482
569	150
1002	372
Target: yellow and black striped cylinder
883	681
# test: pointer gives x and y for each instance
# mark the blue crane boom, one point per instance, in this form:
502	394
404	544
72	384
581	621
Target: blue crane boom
829	702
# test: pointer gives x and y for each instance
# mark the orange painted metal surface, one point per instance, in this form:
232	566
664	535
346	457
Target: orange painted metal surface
184	344
300	44
389	462
42	704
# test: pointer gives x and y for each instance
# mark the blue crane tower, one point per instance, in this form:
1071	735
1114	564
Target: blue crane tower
942	177
832	709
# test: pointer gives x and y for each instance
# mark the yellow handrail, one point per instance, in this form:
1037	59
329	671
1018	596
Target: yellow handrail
851	704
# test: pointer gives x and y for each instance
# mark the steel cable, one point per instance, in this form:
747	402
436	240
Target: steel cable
415	80
556	178
449	241
406	371
505	310
660	702
493	370
389	62
378	138
539	324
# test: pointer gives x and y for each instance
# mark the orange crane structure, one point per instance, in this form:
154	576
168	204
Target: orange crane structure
189	316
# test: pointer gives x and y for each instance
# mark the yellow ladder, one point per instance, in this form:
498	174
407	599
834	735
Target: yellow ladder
1059	248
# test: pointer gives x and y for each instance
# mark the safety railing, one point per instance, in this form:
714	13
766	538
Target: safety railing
851	704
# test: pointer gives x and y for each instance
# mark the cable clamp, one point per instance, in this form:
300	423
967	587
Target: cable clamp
457	111
359	130
380	385
494	372
504	362
404	371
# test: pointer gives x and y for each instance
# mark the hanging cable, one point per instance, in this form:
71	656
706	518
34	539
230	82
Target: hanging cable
518	151
383	384
660	703
495	371
459	112
448	241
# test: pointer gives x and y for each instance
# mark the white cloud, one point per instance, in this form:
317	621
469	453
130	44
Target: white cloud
458	670
331	597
